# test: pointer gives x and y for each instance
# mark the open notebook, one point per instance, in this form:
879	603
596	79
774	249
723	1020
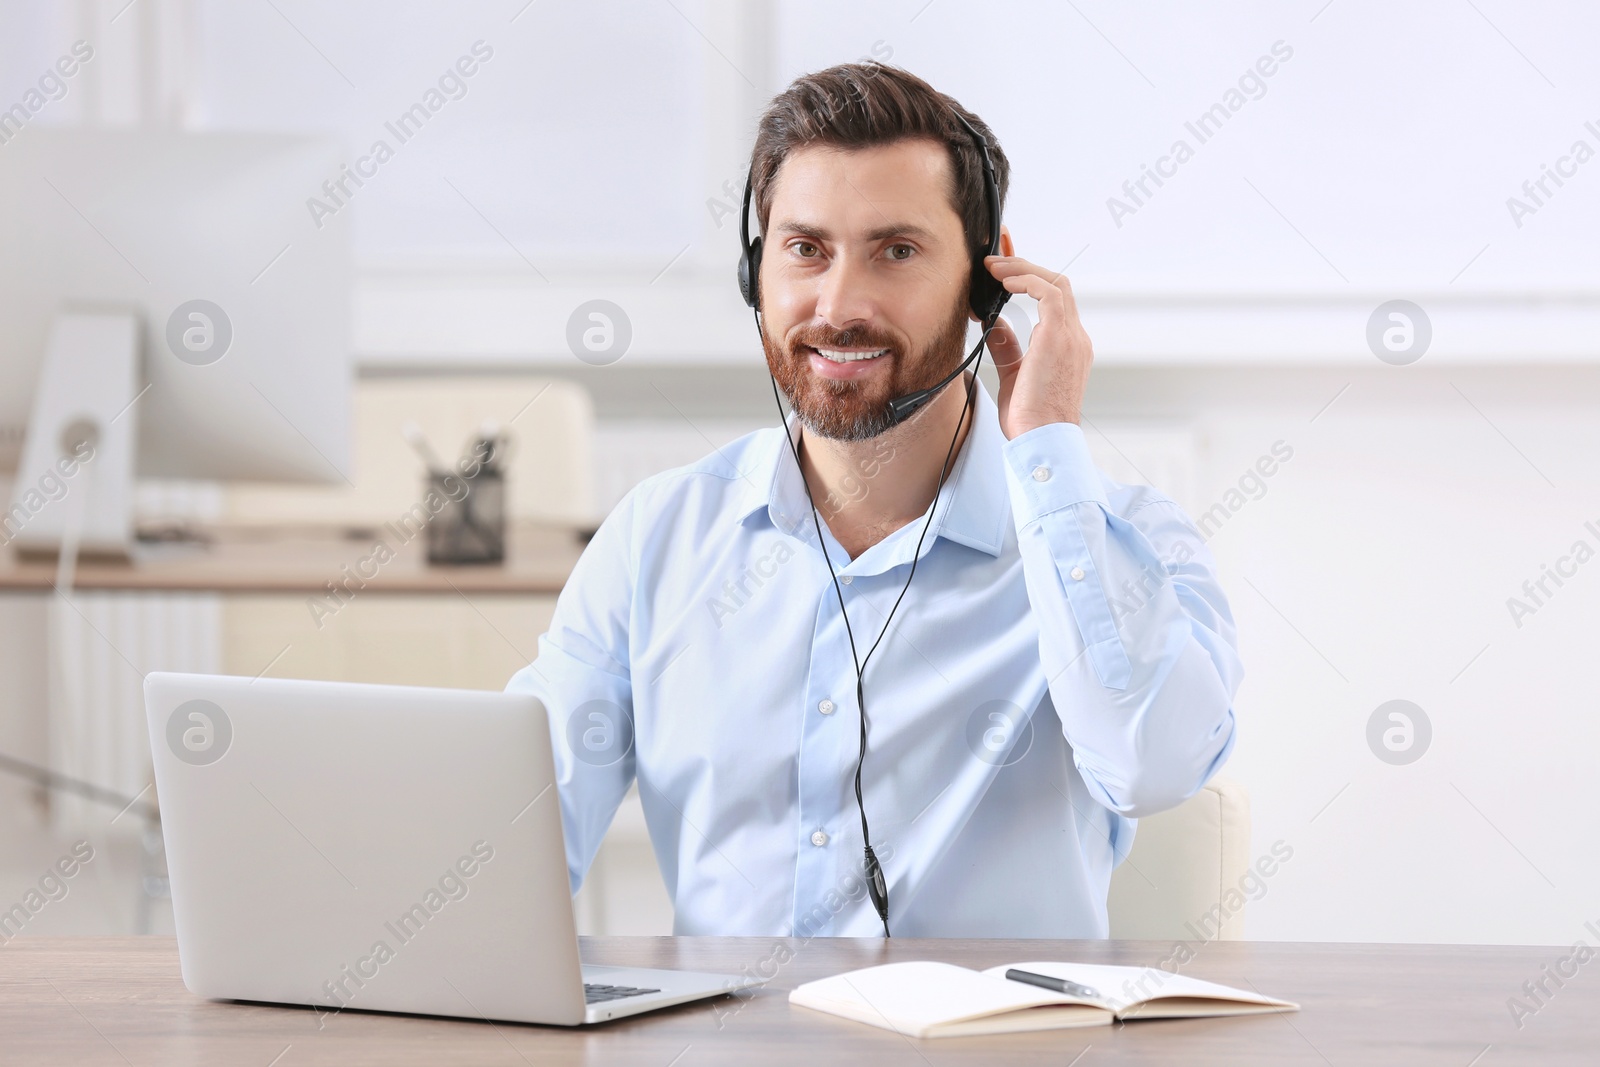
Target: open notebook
928	999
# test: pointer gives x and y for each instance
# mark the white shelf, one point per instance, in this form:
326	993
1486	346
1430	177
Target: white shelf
403	320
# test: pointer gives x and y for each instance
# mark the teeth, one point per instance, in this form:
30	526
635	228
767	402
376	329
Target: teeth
847	357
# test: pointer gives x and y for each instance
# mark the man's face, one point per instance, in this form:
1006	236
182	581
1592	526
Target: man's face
863	282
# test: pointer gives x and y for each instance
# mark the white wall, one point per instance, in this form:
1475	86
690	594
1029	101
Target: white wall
1376	566
1390	138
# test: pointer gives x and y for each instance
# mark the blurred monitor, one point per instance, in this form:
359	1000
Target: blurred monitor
171	305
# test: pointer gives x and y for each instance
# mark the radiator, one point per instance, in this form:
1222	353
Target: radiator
101	646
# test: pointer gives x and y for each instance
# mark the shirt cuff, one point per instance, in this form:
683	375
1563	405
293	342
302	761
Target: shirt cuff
1050	469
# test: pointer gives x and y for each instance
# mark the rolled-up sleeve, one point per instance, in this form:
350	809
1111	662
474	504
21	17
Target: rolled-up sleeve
1135	633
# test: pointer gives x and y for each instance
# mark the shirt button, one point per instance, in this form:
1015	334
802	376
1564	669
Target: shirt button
1041	474
845	578
819	839
1077	574
826	707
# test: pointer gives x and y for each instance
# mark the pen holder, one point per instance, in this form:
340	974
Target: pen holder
470	527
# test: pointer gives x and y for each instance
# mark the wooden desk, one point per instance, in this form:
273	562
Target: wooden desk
121	1001
538	559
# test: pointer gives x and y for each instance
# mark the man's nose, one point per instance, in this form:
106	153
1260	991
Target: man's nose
845	296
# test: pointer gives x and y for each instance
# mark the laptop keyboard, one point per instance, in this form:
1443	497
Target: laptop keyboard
595	993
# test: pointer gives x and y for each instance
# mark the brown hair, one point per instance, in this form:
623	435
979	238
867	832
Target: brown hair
860	105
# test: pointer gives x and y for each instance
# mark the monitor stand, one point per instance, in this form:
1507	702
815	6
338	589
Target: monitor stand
73	493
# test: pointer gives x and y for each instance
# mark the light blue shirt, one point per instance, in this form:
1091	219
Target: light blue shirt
1063	663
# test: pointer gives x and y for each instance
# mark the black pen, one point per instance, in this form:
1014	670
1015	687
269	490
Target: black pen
1059	985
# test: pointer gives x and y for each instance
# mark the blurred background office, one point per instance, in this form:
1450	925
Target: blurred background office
1337	259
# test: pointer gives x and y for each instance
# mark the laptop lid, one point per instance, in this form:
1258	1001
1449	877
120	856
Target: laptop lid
364	846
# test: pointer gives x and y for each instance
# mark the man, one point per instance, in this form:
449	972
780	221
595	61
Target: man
1062	663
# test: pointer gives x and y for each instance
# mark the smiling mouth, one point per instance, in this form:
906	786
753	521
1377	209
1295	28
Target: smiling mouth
846	355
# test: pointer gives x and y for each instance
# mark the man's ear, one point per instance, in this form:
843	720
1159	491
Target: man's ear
1006	248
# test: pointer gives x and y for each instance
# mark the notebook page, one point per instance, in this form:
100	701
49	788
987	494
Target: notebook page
1121	988
917	998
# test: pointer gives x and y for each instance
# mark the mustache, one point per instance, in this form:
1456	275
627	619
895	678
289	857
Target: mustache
850	337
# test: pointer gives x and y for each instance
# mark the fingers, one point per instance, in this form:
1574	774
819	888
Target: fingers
1001	266
1058	315
1051	302
1007	267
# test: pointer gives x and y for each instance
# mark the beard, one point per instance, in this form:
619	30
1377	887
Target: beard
859	410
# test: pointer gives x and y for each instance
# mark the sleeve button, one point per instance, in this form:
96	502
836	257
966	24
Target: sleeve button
1041	474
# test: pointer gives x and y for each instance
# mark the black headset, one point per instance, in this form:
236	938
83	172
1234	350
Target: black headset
985	296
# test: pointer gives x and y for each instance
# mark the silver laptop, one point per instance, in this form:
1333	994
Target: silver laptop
373	847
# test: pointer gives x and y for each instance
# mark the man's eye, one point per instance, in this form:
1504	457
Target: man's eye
901	251
805	249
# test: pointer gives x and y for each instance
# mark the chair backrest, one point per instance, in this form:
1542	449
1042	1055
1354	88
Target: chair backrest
550	473
1182	879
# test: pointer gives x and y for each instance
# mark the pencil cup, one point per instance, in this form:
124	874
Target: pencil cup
471	525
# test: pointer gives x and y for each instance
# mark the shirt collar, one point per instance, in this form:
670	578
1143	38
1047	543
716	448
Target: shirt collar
973	510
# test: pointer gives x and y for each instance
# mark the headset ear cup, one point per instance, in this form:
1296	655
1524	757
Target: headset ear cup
986	295
750	274
755	273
